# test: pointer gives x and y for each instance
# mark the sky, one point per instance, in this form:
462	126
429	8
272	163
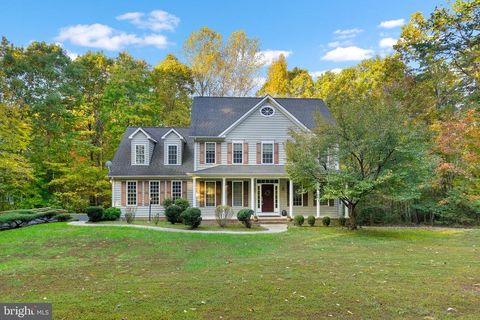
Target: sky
314	35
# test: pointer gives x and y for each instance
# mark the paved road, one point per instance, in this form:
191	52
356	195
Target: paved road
272	228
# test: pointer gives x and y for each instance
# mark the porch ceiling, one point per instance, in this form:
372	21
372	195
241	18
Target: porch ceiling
242	170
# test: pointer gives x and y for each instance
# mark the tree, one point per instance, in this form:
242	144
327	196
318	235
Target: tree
173	87
378	148
301	84
277	79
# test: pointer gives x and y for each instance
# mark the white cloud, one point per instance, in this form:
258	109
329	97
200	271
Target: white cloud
389	24
104	37
157	20
387	43
316	74
72	55
268	56
351	53
347	33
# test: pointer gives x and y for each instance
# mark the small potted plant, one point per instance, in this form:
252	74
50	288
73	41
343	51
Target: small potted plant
255	218
284	213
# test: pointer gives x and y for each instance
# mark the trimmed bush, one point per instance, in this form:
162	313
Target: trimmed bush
94	213
130	213
182	203
342	221
311	220
167	203
62	217
244	216
112	214
326	221
223	214
298	220
173	213
192	217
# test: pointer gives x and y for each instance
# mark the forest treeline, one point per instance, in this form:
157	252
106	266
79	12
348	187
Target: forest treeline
61	119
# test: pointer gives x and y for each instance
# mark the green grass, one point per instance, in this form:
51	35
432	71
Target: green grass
305	273
210	226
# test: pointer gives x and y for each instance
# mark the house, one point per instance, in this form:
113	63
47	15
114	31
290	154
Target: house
233	154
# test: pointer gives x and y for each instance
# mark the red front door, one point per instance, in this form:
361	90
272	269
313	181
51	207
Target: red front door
267	197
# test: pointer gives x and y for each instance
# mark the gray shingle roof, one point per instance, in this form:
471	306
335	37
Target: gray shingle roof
212	115
238	170
121	164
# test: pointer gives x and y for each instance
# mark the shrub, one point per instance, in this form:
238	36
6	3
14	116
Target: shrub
156	217
192	217
62	217
244	216
326	221
223	214
172	213
94	213
311	220
182	203
167	203
342	221
130	213
112	214
298	220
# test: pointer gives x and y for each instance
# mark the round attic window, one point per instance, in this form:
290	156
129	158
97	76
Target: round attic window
267	111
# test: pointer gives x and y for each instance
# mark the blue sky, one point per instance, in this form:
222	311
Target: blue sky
316	35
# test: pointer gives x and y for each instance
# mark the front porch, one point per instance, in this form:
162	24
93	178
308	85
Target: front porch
273	197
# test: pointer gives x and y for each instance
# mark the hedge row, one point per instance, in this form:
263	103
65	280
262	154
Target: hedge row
22	217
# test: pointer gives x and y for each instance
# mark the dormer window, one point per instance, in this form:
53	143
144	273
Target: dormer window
140	154
267	111
210	152
172	155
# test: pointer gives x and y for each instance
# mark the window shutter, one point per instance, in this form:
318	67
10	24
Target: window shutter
245	193
201	190
168	191
162	191
146	192
229	153
202	152
259	153
276	160
218	152
139	193
305	199
124	193
229	193
245	153
219	193
184	189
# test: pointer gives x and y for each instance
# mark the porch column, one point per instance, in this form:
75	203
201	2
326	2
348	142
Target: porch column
318	203
224	190
252	193
194	200
290	198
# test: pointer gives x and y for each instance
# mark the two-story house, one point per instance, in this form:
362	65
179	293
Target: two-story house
232	154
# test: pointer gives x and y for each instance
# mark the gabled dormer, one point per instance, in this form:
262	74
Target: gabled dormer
142	145
173	145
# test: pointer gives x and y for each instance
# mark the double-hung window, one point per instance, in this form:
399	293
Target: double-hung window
140	154
172	155
210	193
267	152
154	192
237	193
210	152
237	152
297	196
131	193
176	189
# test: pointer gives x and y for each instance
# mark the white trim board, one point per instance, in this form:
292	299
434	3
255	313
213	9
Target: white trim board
144	132
174	131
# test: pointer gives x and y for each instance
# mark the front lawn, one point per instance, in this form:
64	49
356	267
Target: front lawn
305	273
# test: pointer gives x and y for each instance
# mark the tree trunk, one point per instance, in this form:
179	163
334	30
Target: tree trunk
352	217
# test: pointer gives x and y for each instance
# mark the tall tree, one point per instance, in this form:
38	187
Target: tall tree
301	84
277	79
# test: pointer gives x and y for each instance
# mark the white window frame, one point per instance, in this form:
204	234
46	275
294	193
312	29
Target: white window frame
273	152
233	152
214	153
295	193
136	193
267	106
150	192
167	162
214	194
233	193
144	153
181	189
